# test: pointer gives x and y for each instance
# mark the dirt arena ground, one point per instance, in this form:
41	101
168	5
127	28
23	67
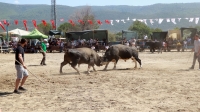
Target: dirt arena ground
164	84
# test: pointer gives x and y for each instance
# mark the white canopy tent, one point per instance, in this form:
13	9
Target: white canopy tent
17	32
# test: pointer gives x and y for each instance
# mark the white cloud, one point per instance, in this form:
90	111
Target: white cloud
16	1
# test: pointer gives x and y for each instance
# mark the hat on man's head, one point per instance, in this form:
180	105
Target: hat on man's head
45	40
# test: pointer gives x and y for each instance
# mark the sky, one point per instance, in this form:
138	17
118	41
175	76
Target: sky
98	2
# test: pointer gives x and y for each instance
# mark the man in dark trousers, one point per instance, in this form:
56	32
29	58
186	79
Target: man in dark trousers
43	50
22	72
196	50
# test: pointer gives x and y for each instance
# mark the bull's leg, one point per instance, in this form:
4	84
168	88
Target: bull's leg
94	69
115	63
76	69
74	63
106	66
135	62
61	65
88	69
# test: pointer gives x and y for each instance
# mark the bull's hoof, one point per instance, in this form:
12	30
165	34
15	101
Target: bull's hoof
104	69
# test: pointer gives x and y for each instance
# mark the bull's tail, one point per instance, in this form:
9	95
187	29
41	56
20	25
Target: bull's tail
139	61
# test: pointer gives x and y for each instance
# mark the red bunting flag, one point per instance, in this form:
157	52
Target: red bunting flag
99	22
53	24
71	22
90	21
34	23
4	22
16	22
2	26
44	23
81	22
107	21
25	24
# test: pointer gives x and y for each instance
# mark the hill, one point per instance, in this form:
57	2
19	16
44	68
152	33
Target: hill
13	12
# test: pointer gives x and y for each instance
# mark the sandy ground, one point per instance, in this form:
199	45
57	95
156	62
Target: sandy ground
164	84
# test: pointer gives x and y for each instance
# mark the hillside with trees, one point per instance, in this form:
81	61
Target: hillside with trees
13	12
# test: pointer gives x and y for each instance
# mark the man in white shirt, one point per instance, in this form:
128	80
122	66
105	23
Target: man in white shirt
196	50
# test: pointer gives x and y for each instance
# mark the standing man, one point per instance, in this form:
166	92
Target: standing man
22	73
43	50
196	50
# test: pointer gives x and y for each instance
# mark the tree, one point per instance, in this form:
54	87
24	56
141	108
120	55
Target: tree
156	30
84	14
66	27
141	28
111	37
44	29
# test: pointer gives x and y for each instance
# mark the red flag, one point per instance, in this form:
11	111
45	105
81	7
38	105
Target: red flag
44	22
53	24
25	24
71	22
34	23
16	22
90	21
2	26
4	22
81	22
99	22
107	21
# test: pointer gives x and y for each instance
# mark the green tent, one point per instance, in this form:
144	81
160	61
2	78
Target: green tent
35	34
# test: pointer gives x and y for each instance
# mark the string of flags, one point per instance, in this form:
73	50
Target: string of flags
4	23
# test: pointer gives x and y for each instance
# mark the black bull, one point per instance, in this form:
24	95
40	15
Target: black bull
154	45
79	56
116	52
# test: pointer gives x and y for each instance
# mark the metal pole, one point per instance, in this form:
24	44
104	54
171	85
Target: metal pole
7	30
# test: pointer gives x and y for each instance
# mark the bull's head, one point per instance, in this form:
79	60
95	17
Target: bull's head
104	59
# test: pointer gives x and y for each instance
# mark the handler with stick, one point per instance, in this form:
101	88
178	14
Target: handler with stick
22	72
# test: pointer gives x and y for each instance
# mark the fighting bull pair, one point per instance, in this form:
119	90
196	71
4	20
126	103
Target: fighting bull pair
90	57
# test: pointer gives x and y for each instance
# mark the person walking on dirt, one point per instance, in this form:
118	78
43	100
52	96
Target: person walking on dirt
22	72
196	50
43	50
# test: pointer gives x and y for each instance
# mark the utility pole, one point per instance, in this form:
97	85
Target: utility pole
53	12
7	30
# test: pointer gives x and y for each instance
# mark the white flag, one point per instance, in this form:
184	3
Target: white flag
117	20
173	20
128	19
140	20
123	21
191	19
168	20
134	19
151	21
179	19
196	20
186	18
160	21
145	21
111	22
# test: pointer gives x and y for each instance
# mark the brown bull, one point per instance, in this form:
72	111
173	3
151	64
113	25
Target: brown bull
79	56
